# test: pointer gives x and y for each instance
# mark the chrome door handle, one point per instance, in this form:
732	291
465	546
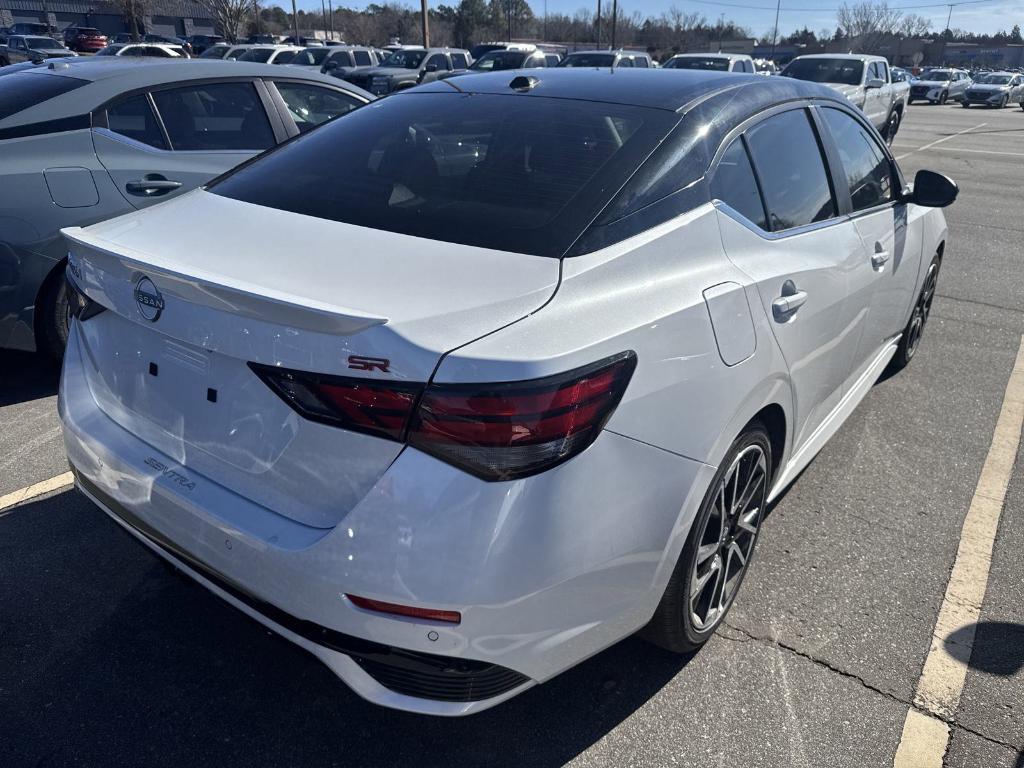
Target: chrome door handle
878	259
151	186
784	306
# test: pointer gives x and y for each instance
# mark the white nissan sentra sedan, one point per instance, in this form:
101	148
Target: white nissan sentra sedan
475	381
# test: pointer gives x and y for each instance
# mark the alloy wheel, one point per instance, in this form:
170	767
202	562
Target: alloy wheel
727	539
922	310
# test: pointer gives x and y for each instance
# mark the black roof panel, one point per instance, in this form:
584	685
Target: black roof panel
670	89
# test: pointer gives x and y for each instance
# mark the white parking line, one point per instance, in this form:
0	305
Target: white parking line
12	499
926	729
978	151
939	141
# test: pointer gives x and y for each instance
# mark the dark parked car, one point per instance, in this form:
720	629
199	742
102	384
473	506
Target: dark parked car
84	39
200	43
607	59
20	48
525	57
98	138
408	67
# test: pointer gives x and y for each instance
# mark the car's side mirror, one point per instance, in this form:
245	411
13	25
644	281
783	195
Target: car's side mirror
330	66
875	82
933	190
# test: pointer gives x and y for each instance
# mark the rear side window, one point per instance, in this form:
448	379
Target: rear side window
135	119
311	105
865	164
792	173
362	58
215	116
23	90
459	61
503	172
641	62
734	184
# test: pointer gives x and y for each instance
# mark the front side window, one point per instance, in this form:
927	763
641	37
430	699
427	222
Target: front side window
625	61
791	170
259	55
42	43
459	61
734	184
439	62
362	58
157	52
237	53
495	171
867	168
215	116
135	119
311	105
284	57
641	62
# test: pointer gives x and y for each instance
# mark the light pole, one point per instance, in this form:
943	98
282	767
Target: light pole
599	24
775	30
323	14
295	23
330	9
615	17
426	23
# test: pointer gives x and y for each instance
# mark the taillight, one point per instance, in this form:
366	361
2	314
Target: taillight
497	431
510	430
361	405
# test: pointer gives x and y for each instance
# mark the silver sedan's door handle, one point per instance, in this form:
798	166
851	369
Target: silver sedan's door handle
879	258
784	306
151	185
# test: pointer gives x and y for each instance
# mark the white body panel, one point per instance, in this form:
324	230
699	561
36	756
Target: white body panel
545	570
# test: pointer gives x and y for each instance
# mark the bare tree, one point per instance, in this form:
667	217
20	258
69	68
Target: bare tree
229	15
134	12
912	25
868	23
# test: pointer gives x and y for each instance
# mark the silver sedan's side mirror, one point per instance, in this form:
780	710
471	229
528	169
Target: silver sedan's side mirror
932	190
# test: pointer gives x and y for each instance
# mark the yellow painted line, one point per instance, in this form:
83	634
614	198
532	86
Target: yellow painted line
939	141
925	731
15	498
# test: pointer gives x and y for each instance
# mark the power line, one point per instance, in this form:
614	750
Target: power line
891	7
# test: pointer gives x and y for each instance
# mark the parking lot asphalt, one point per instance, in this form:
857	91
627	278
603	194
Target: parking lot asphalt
109	658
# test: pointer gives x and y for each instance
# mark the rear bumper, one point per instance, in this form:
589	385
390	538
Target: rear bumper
545	571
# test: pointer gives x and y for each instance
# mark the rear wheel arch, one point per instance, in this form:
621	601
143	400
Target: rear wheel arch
46	296
773	418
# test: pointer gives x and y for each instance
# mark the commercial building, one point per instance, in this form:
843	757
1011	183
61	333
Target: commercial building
167	17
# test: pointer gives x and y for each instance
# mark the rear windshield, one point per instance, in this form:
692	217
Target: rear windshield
310	57
504	172
496	60
994	79
42	42
841	71
26	89
404	59
262	55
588	60
698	62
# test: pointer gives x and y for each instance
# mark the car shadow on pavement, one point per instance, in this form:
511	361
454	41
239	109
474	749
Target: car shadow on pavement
25	376
995	647
111	658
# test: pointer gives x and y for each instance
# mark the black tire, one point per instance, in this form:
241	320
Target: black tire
673	625
943	97
53	318
892	125
911	338
964	104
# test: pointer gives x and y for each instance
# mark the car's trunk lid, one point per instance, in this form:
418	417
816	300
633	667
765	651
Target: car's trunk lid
203	285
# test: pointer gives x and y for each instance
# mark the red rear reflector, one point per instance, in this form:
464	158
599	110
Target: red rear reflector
430	614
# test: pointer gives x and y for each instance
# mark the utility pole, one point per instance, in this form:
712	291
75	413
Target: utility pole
256	13
426	23
323	12
615	16
545	35
508	20
775	30
599	24
330	8
295	23
947	34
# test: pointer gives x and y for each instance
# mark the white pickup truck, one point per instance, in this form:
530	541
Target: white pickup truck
865	80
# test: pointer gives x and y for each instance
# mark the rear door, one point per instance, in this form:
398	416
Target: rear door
882	283
784	231
160	143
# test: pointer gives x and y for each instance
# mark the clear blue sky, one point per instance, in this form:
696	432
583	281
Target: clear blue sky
982	17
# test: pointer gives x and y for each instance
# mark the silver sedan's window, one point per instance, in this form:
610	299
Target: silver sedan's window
865	164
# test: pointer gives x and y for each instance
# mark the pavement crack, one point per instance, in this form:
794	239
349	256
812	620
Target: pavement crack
988	304
745	636
774	641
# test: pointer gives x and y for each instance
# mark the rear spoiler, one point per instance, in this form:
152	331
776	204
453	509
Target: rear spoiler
211	290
